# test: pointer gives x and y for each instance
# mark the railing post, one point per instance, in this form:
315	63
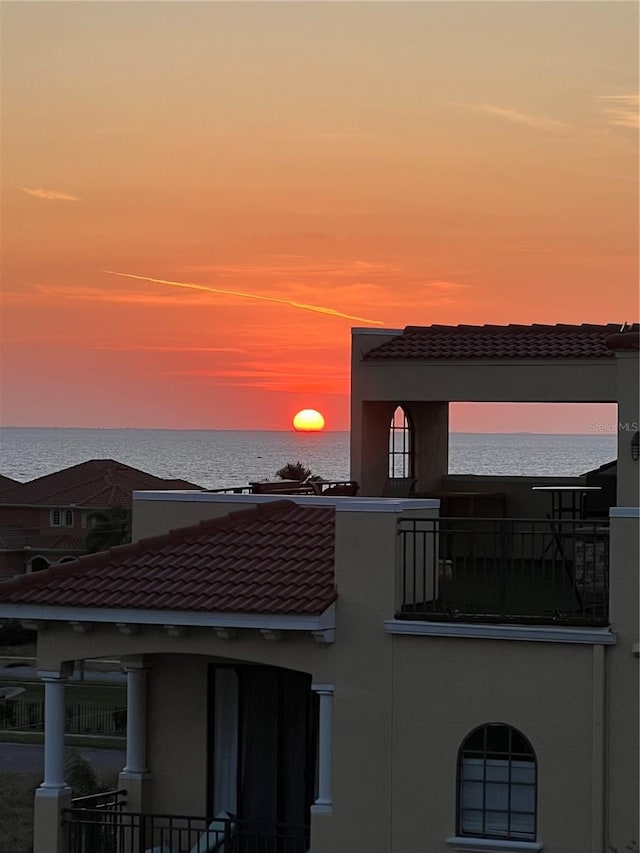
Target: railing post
324	802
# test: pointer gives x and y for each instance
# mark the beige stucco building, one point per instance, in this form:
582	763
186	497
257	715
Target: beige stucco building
451	669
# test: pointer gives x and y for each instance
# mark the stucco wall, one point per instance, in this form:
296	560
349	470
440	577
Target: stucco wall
623	711
444	688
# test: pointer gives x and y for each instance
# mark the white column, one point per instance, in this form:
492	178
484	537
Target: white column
136	719
324	802
54	731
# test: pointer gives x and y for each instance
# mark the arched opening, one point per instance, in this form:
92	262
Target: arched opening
401	445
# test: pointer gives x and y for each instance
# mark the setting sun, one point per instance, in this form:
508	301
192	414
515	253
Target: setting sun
308	420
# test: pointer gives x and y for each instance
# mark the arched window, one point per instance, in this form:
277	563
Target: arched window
497	784
55	518
68	518
38	564
401	451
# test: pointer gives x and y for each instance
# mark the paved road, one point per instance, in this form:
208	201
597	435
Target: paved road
29	758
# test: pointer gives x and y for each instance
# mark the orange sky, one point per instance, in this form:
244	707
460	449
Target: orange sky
309	167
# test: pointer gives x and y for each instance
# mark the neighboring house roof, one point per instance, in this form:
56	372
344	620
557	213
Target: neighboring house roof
95	483
512	341
609	469
277	558
7	483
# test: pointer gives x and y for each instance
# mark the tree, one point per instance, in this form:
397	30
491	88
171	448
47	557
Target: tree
296	471
108	528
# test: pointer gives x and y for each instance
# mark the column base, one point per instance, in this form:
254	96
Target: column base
50	835
138	788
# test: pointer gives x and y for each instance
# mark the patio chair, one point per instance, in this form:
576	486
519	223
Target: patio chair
399	487
212	840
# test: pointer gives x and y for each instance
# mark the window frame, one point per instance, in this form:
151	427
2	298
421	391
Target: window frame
406	454
485	755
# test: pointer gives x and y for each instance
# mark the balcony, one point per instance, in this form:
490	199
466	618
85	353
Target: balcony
101	824
504	570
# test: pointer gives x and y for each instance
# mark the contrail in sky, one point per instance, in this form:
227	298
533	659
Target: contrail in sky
318	309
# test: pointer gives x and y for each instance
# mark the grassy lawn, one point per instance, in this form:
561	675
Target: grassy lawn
16	809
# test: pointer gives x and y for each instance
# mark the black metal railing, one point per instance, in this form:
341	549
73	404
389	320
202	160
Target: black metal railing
103	830
504	570
100	833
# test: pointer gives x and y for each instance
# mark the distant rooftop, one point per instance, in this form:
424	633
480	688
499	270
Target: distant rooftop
95	483
512	341
277	558
7	483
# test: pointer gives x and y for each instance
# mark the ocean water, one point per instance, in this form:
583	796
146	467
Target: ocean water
221	458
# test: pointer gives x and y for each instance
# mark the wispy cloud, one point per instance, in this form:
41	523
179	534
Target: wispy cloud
534	120
295	266
126	347
622	110
317	309
50	195
437	284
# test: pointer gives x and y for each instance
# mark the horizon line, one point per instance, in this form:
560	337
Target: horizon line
595	433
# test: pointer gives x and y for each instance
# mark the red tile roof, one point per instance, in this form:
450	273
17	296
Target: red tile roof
515	342
277	558
96	483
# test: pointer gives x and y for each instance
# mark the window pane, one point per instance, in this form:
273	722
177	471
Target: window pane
522	825
471	822
497	795
472	795
496	823
472	768
497	771
523	798
497	739
523	771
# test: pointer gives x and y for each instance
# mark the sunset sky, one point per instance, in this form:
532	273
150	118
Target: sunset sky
200	199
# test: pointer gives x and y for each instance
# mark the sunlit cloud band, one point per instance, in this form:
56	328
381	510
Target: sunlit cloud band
50	195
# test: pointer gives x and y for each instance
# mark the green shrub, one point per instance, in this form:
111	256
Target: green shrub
13	634
79	774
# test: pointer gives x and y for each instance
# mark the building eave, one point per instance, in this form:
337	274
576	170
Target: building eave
44	613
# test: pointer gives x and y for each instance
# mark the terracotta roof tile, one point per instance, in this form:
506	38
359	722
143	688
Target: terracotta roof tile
95	483
513	341
277	558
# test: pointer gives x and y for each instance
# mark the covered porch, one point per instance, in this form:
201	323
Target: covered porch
238	762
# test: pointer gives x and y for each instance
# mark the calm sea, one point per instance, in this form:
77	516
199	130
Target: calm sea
220	458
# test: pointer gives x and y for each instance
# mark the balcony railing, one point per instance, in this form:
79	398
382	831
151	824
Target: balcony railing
101	829
504	570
